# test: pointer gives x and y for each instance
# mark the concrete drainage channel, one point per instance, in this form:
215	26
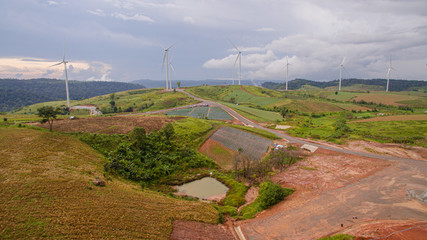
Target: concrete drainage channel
239	233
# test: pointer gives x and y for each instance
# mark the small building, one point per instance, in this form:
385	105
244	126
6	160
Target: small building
310	148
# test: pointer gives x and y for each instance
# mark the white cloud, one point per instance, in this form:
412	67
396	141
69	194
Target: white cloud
52	3
189	20
265	29
27	67
97	12
135	17
104	78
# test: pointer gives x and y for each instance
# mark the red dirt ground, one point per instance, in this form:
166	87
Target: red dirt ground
225	160
202	231
110	125
395	230
393	149
325	170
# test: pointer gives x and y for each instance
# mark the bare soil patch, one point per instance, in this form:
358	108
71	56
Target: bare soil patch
327	170
385	99
395	230
196	230
222	155
392	149
395	118
110	125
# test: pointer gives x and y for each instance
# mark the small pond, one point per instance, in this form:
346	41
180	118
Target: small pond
204	188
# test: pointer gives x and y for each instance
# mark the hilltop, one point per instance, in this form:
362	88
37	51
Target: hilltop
18	93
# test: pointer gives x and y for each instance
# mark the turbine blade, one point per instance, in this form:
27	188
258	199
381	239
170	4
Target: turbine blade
343	61
234	45
56	64
63	57
237	58
164	58
170	46
172	68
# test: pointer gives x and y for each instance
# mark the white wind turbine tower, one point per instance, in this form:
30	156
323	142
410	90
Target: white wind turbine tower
170	74
165	57
341	67
66	75
287	70
388	75
238	58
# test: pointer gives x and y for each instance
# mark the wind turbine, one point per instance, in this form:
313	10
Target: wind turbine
165	57
238	58
66	75
341	67
170	75
388	75
287	70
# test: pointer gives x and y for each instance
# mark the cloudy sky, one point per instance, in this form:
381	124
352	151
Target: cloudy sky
123	40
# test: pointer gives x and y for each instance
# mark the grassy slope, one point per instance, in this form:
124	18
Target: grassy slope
46	192
133	98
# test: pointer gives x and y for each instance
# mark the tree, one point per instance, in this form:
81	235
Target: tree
48	114
178	84
283	111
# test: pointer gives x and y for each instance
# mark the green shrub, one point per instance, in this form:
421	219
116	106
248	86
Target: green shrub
269	194
236	195
338	237
226	210
149	157
249	211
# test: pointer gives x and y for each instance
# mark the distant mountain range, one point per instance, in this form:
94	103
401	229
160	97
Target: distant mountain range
17	93
394	85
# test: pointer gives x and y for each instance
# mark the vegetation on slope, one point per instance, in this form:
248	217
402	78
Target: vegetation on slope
142	100
18	93
46	192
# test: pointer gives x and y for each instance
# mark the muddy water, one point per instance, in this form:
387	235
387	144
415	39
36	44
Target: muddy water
203	188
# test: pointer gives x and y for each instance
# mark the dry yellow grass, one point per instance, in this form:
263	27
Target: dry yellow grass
46	192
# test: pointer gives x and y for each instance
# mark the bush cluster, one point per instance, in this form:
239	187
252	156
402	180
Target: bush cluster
148	157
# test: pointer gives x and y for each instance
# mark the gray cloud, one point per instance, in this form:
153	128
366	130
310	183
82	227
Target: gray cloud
129	35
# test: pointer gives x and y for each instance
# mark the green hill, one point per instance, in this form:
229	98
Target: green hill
140	100
18	93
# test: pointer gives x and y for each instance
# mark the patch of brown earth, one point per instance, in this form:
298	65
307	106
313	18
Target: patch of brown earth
319	172
250	196
192	230
222	155
110	125
392	149
327	170
389	230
